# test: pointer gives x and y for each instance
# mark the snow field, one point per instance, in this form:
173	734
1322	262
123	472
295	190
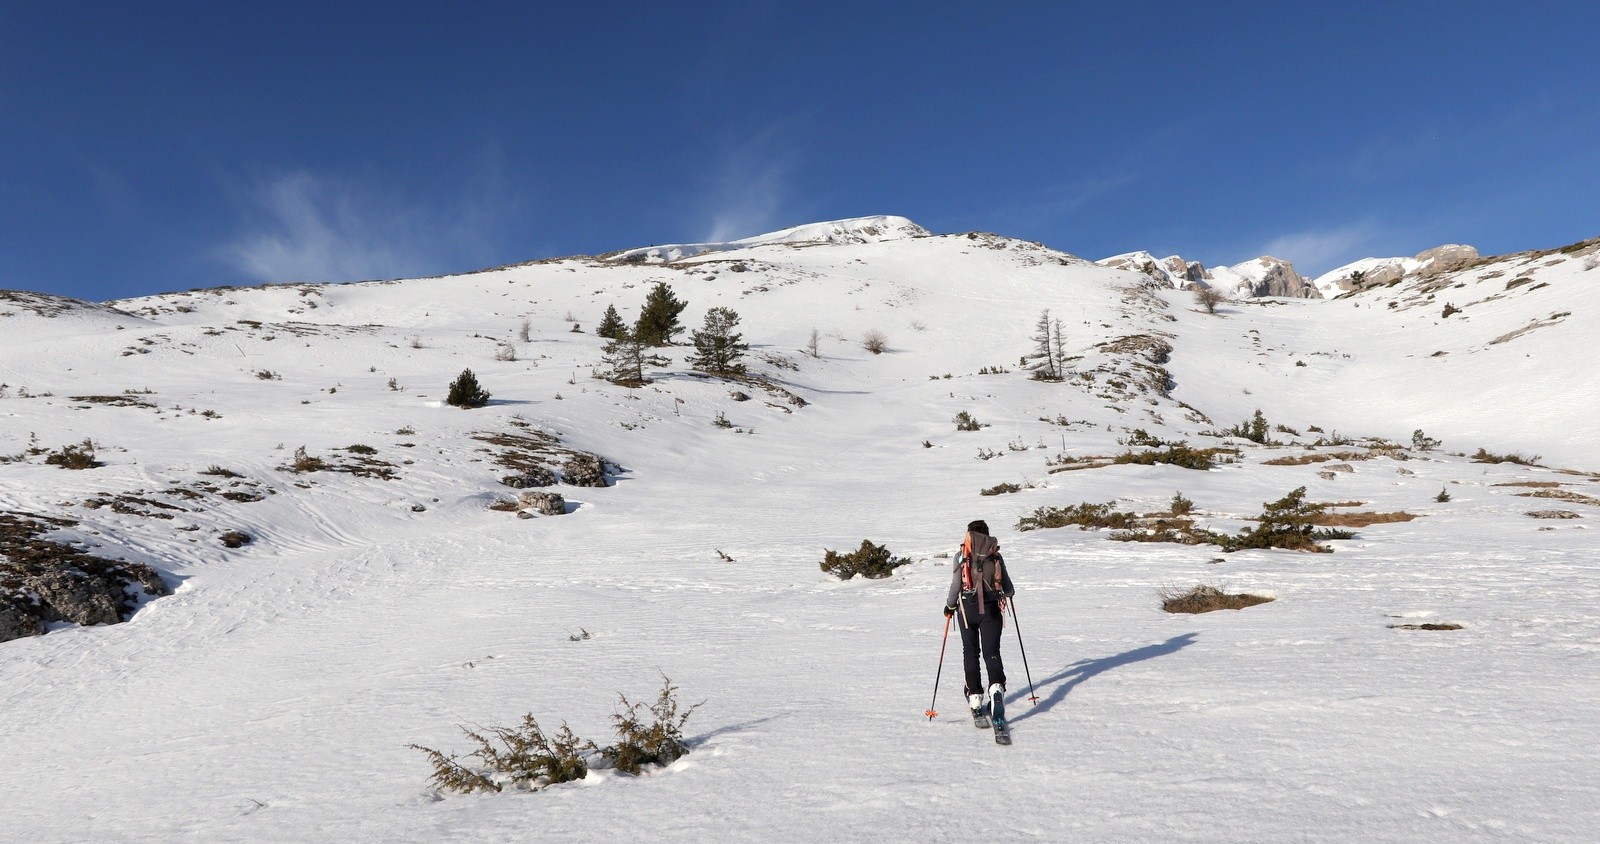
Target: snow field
276	691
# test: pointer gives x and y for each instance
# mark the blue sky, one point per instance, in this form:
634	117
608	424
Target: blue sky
167	146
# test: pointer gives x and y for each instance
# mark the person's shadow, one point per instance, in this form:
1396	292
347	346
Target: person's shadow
1068	678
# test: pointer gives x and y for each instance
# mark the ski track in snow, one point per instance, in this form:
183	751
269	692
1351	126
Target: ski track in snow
273	696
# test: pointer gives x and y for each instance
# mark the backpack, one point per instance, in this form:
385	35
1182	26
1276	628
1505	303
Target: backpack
989	576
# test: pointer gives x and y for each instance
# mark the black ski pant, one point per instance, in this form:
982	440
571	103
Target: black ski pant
981	632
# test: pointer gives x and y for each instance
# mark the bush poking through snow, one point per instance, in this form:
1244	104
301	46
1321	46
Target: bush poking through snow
1255	430
465	391
1181	506
1177	454
1208	298
1290	522
875	341
1486	456
658	742
304	462
1204	598
965	422
1423	442
1443	496
873	562
80	456
1085	516
527	758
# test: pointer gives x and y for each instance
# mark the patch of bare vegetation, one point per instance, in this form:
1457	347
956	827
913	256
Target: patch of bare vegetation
1316	457
1554	514
1428	626
357	464
1203	598
534	455
1360	519
1562	495
1486	456
114	401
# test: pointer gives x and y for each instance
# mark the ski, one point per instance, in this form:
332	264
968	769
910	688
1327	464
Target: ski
997	715
980	719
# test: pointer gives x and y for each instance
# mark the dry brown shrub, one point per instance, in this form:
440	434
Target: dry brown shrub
1360	519
1534	484
1204	598
1303	459
1429	626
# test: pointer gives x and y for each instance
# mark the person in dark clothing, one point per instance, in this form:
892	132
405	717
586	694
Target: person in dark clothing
978	589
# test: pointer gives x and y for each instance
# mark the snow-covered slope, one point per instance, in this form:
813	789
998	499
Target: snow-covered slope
383	603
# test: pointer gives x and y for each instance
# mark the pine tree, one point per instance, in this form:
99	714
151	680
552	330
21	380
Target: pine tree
611	326
658	319
1045	361
627	359
465	391
718	347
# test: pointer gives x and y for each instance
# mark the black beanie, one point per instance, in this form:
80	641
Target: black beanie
979	526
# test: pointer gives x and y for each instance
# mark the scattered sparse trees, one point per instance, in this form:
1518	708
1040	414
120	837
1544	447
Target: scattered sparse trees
718	347
813	345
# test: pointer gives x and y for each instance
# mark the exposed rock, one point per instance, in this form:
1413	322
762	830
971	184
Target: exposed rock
1443	259
546	503
737	395
584	470
1269	276
43	581
18	618
1554	514
235	539
534	476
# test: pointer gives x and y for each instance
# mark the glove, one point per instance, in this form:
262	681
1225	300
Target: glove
949	610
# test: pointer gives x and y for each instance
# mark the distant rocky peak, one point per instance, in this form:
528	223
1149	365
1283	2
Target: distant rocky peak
1172	270
1264	276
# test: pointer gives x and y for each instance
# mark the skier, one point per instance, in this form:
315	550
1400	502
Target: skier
978	588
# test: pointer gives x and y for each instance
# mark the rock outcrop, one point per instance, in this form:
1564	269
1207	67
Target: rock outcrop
1265	276
43	582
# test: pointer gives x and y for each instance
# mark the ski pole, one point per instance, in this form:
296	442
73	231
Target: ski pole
1032	698
942	642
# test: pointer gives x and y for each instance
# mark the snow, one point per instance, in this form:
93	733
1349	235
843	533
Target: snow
275	693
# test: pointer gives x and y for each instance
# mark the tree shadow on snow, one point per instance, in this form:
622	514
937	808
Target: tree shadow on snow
1068	678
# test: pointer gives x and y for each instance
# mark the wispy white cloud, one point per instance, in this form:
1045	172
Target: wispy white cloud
1315	251
299	226
751	191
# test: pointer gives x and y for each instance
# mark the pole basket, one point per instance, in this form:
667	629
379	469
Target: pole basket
931	714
